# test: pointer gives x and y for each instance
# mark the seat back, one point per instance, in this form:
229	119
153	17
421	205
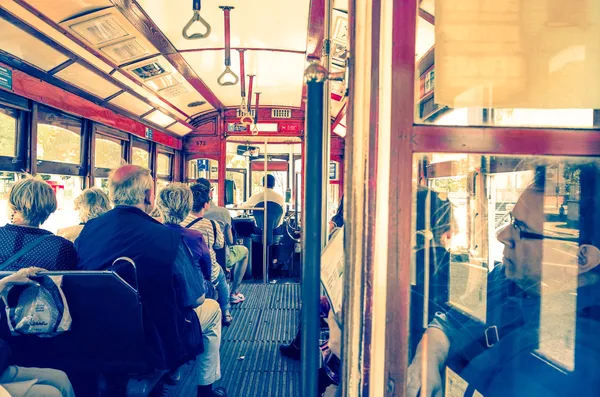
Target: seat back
107	332
274	215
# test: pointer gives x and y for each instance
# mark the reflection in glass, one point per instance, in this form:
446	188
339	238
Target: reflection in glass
108	152
512	309
59	138
8	132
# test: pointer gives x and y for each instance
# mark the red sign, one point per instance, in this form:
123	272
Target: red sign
288	127
203	144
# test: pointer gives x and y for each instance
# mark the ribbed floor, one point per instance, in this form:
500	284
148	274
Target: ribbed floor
251	365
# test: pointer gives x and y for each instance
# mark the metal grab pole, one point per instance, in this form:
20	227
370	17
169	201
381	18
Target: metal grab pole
315	77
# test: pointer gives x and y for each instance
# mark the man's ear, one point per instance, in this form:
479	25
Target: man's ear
148	197
588	258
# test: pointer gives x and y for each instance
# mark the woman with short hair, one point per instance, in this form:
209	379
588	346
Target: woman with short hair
91	203
22	242
175	203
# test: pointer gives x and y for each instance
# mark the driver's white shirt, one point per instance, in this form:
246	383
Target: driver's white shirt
272	195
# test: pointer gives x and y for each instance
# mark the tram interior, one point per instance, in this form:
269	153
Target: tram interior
87	86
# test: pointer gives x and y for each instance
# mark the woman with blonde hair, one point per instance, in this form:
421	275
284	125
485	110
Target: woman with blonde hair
22	242
91	203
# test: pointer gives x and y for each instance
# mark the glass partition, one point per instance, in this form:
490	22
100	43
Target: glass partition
203	168
505	284
507	63
66	188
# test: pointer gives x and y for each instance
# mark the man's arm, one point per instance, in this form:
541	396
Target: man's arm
219	238
424	371
228	235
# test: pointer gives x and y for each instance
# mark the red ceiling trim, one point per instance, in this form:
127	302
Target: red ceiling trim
48	94
99	55
146	26
244	49
499	140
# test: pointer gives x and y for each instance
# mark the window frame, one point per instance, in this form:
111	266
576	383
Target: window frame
170	153
144	145
112	134
56	167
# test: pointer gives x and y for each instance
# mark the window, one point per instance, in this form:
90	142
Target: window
521	224
7	179
8	132
164	164
66	188
524	67
59	137
140	157
203	168
109	152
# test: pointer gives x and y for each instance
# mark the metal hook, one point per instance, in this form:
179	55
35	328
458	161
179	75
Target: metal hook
255	129
195	36
225	73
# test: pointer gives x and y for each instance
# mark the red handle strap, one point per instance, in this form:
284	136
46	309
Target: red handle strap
256	108
226	12
243	74
251	77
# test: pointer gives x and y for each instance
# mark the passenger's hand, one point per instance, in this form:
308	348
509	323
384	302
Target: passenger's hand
22	277
429	387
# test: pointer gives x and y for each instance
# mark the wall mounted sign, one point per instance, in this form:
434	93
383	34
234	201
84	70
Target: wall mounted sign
149	133
236	127
333	173
289	127
5	78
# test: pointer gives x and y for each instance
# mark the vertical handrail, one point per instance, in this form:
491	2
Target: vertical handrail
315	77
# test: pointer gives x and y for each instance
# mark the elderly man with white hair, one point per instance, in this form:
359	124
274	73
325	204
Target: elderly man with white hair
160	254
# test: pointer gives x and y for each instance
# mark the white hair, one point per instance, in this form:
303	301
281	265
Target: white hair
175	203
132	189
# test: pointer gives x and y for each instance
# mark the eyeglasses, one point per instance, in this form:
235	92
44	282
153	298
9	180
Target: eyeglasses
525	235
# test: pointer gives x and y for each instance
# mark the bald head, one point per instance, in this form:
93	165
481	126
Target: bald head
132	185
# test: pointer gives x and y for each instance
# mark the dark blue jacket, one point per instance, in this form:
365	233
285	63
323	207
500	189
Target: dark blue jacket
155	249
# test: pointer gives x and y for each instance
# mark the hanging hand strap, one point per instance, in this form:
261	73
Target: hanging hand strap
250	82
255	128
196	18
24	251
227	71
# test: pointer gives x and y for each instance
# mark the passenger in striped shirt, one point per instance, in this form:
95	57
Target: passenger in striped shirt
214	238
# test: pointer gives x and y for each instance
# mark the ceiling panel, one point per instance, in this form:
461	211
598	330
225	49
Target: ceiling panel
130	103
180	129
58	11
54	34
144	92
272	24
279	75
159	118
26	47
81	77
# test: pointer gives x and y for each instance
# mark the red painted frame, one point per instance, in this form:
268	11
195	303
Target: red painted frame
407	139
48	94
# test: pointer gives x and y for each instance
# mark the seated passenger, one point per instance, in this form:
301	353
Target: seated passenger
236	256
23	381
128	230
272	195
338	219
214	238
496	357
91	203
22	242
175	203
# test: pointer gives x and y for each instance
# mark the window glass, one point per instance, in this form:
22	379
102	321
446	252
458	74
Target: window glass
101	183
67	188
109	152
161	184
59	138
7	179
517	295
140	157
163	164
203	168
8	132
507	63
